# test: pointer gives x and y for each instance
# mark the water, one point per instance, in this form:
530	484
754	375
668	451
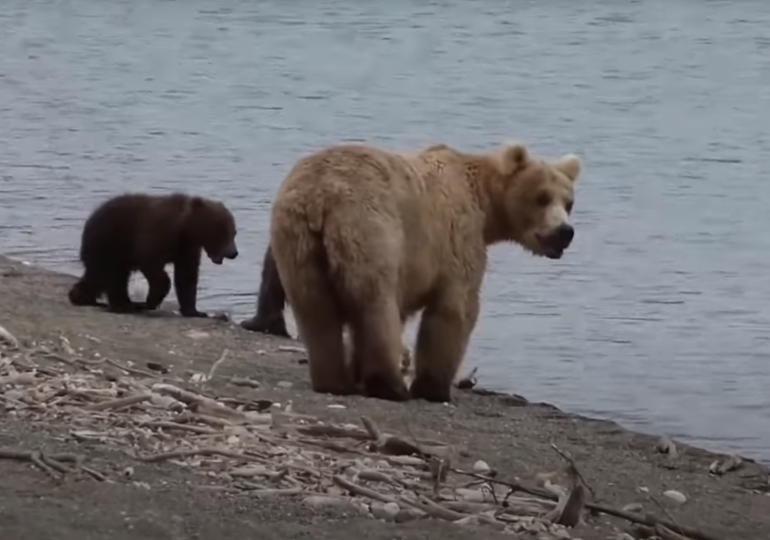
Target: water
657	318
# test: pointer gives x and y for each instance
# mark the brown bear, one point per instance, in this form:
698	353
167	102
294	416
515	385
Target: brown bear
141	232
366	237
271	301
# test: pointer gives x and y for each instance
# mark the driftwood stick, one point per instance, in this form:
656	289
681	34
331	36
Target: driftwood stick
130	370
573	470
640	519
164	424
355	489
153	458
218	363
36	458
119	403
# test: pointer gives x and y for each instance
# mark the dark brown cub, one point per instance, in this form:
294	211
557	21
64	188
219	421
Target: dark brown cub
142	232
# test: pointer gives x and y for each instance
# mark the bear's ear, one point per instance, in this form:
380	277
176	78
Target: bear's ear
197	203
569	166
512	157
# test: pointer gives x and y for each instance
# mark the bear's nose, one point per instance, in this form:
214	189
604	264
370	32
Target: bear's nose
233	254
565	233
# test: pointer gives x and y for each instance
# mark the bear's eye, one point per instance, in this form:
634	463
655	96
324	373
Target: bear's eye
543	199
568	206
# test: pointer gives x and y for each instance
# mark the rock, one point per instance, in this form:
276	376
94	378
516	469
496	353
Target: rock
481	467
284	384
384	511
625	536
196	334
730	463
468	520
336	406
321	501
675	496
561	534
409	514
666	446
473	495
633	507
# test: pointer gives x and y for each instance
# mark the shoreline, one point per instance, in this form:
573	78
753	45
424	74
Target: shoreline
640	425
513	435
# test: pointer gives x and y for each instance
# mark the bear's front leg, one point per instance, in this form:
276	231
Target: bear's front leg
442	339
186	268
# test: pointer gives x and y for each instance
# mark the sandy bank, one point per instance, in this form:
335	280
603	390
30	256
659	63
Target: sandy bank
167	500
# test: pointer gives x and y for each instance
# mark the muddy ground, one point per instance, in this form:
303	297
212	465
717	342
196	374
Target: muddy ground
511	434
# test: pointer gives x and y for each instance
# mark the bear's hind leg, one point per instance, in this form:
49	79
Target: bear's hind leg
377	348
86	291
159	286
117	292
442	340
320	326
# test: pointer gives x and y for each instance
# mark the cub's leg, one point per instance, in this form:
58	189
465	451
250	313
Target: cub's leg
186	269
159	286
271	301
86	291
118	299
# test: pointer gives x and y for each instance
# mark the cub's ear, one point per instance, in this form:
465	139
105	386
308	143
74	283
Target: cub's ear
512	157
569	166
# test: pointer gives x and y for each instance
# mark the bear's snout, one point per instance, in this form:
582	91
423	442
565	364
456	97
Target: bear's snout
557	241
564	234
232	254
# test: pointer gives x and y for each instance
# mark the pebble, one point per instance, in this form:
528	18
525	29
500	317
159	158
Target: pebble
562	534
386	511
284	384
321	501
409	514
633	507
481	467
675	496
473	495
336	406
196	334
625	536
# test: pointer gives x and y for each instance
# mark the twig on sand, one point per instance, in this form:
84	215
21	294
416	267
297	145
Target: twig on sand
153	458
218	363
642	519
130	370
119	403
50	463
7	337
392	445
572	469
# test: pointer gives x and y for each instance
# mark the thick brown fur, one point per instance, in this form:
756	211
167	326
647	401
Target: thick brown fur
271	302
365	238
141	232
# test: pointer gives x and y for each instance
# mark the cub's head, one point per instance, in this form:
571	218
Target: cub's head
533	198
214	228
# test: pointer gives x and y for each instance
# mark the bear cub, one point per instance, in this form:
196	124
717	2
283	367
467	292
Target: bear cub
142	232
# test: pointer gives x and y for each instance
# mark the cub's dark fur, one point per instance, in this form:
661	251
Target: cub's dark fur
269	318
141	232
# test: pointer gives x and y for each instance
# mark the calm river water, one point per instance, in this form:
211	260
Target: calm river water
660	315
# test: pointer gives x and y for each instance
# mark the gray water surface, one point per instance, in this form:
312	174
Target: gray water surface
659	317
